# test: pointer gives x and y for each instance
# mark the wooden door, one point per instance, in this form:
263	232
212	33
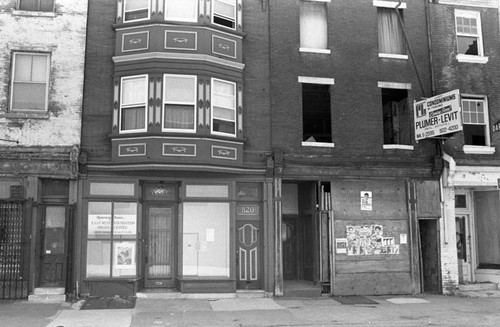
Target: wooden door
249	254
54	244
159	246
429	247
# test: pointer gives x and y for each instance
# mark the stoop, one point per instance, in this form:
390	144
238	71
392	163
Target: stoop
48	295
478	290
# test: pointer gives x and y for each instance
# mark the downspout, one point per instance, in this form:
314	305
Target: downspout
408	46
446	182
429	44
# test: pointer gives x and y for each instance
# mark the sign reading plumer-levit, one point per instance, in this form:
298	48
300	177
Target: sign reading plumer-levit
438	115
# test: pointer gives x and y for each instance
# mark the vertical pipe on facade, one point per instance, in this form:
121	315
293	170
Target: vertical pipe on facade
429	44
408	46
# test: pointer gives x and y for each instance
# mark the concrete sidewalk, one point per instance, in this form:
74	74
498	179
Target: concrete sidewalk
325	311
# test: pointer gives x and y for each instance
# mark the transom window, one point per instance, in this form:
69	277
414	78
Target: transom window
179	100
475	120
30	81
36	5
133	104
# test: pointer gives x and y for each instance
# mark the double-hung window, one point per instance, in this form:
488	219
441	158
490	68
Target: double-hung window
469	36
133	104
313	26
224	13
181	10
135	10
475	123
390	32
36	5
223	107
30	81
179	103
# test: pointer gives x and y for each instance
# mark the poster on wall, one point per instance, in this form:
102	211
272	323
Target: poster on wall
366	200
369	240
341	245
100	225
124	255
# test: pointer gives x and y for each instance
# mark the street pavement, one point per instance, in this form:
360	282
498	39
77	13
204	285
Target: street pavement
421	310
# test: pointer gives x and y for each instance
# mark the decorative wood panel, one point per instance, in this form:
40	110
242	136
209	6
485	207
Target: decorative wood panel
221	152
181	40
223	46
132	150
135	41
184	150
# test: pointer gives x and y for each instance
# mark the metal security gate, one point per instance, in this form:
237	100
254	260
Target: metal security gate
14	250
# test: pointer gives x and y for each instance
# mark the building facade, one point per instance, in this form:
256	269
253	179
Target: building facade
358	200
176	192
41	91
465	47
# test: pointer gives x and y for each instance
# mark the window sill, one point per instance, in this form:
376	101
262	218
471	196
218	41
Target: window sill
48	14
477	149
314	50
393	56
27	115
319	144
472	59
398	147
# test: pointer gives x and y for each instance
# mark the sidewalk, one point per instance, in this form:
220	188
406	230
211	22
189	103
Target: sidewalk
238	312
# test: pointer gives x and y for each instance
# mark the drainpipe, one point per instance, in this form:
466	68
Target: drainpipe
447	182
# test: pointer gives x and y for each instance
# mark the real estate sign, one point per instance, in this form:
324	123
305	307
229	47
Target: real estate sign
438	115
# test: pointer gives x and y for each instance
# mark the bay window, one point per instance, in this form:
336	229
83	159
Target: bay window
224	13
223	107
179	101
112	239
133	104
181	10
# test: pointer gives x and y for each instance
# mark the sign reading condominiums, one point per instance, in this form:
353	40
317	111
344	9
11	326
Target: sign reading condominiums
438	115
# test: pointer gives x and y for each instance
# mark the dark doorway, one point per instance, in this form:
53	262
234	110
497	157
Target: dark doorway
429	254
291	247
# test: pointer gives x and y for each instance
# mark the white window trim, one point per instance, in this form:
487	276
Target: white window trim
316	80
312	50
194	19
389	4
145	76
195	88
480	58
318	144
478	149
136	20
394	85
398	147
47	81
212	90
393	56
235	13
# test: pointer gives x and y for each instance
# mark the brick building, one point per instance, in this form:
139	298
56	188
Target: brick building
41	90
176	192
465	49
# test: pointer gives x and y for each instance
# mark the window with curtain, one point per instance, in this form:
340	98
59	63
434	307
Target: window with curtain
181	10
179	99
223	107
468	29
313	25
133	104
136	10
30	80
475	120
224	13
390	34
36	5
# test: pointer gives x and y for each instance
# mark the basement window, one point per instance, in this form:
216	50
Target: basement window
36	5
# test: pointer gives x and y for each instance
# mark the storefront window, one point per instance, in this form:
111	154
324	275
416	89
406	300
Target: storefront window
112	239
205	239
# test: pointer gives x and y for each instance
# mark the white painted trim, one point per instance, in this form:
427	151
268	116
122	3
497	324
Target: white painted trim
394	85
314	50
319	144
472	59
388	4
475	149
398	147
316	80
319	0
393	56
